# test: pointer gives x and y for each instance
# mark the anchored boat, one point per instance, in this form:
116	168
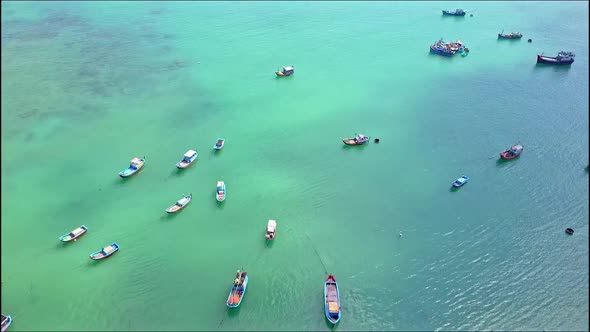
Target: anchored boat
181	204
460	181
357	140
238	289
74	235
220	191
271	229
562	58
287	71
136	164
332	300
189	157
219	144
456	12
105	252
512	35
512	153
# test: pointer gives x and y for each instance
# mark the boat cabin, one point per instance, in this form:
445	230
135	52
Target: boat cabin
562	55
459	11
189	154
288	70
135	161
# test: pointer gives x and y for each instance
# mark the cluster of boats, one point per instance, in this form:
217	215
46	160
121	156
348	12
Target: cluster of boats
449	49
508	154
441	47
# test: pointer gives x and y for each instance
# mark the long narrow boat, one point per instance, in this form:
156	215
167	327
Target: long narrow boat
136	165
456	12
105	252
220	191
219	144
181	204
513	35
562	58
238	289
74	235
512	153
188	159
6	321
332	300
357	140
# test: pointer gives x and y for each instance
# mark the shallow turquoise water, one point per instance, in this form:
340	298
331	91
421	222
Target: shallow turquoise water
88	86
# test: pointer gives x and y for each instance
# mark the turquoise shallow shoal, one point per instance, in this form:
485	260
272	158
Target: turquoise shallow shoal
88	86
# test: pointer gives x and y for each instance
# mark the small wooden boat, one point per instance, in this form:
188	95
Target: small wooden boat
181	204
357	140
460	181
238	289
456	12
6	321
287	71
332	300
271	229
74	235
512	153
562	58
512	35
220	191
105	252
136	164
189	157
220	143
569	231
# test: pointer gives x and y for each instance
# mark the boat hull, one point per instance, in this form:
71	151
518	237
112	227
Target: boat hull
280	73
125	174
508	156
182	165
233	305
219	145
439	52
329	282
175	208
553	61
453	13
352	141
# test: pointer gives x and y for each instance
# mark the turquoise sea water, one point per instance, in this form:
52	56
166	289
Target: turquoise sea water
88	86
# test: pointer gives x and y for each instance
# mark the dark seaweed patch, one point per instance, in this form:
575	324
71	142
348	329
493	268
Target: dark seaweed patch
21	30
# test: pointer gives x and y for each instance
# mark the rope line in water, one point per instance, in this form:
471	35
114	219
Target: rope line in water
316	252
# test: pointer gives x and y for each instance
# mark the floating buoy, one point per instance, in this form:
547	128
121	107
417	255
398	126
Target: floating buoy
530	40
569	231
471	15
376	140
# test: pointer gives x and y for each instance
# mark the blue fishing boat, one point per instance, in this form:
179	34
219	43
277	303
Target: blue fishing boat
219	144
74	235
136	165
332	300
456	12
460	181
220	191
236	294
6	321
105	252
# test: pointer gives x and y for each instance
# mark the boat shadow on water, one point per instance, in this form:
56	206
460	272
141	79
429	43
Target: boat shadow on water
556	68
454	189
501	163
354	147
